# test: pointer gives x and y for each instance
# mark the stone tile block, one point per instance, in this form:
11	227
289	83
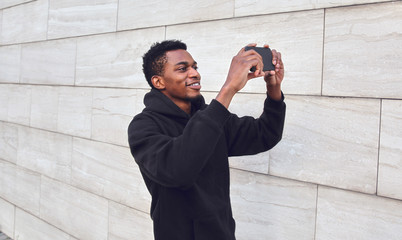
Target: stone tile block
75	211
29	227
75	18
8	142
327	139
75	111
45	152
18	26
128	223
11	3
51	62
272	208
390	164
205	44
7	211
115	60
258	163
259	7
350	215
109	171
18	104
1	26
10	60
20	186
113	109
44	107
369	37
4	92
135	14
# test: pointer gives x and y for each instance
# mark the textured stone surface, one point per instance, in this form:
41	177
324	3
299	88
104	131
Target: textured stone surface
128	223
1	26
8	142
370	38
75	111
348	215
18	98
11	3
109	171
327	139
258	7
75	18
20	187
113	109
72	210
4	236
18	26
7	211
272	208
114	60
3	101
45	152
10	62
136	14
390	163
29	227
44	107
51	62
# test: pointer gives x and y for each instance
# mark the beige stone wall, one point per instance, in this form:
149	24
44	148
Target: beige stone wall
71	81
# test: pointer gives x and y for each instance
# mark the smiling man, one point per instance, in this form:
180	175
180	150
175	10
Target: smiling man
180	80
182	145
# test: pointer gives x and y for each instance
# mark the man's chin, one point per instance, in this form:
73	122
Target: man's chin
195	97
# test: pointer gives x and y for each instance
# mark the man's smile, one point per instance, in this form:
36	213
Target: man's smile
195	85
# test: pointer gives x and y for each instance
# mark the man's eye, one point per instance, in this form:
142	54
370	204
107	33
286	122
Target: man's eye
183	69
195	67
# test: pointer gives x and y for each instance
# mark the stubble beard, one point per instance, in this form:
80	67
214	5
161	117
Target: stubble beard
194	98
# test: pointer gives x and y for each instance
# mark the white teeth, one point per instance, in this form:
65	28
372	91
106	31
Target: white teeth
195	84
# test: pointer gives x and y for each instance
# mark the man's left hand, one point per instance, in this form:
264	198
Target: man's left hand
275	77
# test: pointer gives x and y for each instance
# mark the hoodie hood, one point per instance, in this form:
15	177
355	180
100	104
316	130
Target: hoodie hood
156	101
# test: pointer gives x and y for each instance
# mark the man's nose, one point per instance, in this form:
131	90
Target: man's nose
194	73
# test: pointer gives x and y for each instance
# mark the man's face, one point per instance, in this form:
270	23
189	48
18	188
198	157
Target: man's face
180	77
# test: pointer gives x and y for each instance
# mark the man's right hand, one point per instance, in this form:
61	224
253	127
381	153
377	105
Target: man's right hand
239	74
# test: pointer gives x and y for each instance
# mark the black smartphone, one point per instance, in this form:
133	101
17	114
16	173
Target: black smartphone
266	55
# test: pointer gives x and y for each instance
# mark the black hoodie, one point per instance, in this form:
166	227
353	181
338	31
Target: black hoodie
184	162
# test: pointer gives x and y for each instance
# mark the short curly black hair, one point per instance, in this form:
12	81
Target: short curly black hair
154	60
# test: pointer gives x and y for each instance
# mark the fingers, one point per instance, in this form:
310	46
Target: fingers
248	45
252	59
255	60
275	56
277	60
275	76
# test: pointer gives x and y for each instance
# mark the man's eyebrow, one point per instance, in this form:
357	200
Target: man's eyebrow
185	63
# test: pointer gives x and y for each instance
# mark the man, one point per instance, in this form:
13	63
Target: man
182	145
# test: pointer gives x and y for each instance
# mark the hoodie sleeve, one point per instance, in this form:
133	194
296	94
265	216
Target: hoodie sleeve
247	135
177	161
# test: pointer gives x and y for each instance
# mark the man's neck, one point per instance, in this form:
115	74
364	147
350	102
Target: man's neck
185	106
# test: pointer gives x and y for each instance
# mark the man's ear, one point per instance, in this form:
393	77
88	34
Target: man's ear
158	82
